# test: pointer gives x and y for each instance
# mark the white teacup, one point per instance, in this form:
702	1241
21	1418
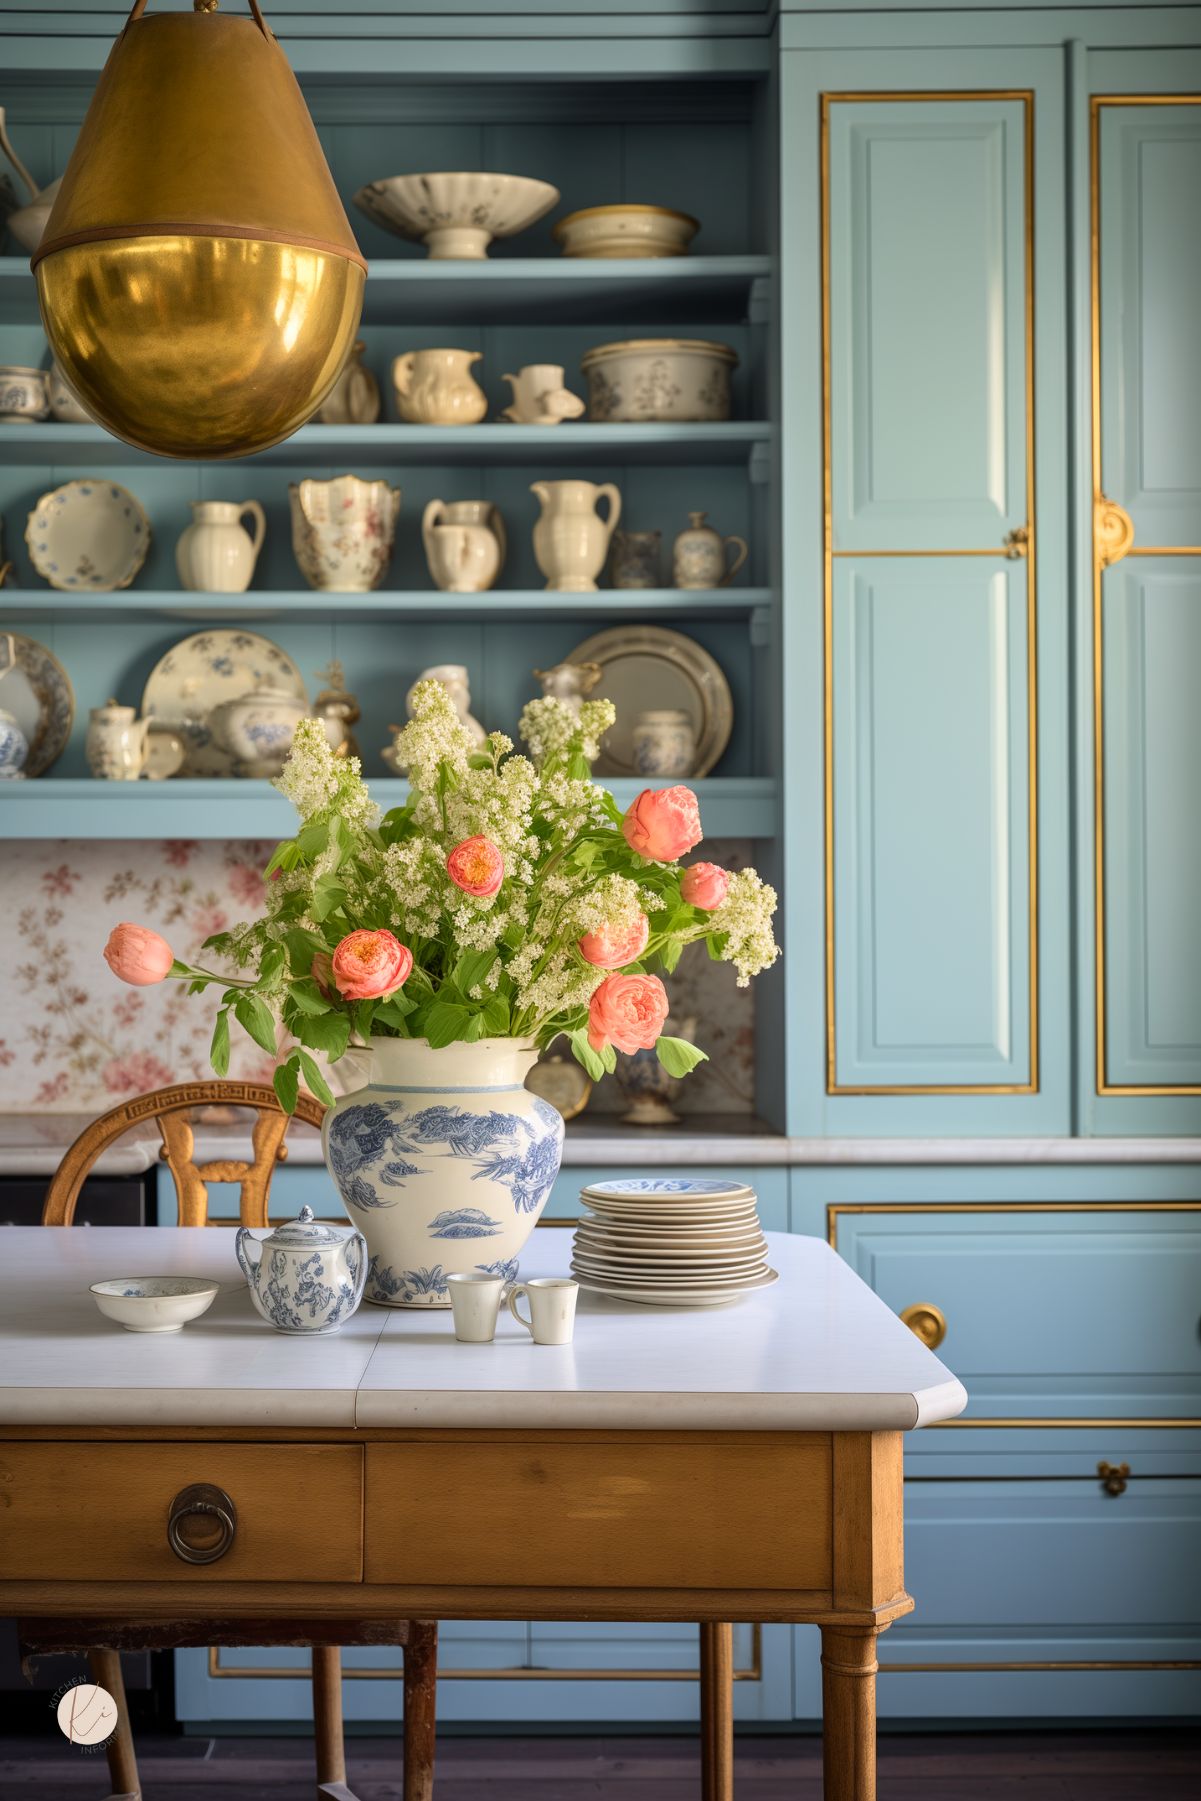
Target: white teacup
475	1304
552	1308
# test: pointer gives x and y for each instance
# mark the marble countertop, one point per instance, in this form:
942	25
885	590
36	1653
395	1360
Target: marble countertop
33	1144
818	1351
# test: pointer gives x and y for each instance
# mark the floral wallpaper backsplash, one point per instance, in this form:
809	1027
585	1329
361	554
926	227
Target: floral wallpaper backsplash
73	1039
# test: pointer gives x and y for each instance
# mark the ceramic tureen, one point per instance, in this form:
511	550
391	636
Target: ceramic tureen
307	1277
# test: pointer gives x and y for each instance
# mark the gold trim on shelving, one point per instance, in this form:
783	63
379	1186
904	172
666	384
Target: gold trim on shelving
752	1672
898	1669
829	553
985	1422
1100	1024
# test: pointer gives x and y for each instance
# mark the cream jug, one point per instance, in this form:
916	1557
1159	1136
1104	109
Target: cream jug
464	544
571	540
215	554
436	387
120	747
539	397
307	1277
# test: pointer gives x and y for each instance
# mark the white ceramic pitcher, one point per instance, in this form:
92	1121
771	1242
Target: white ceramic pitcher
216	554
464	544
436	387
571	540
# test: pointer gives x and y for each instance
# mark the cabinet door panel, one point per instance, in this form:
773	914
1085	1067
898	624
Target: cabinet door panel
1150	274
931	816
1152	841
927	303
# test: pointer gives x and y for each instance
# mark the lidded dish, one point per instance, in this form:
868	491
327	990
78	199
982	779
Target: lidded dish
307	1277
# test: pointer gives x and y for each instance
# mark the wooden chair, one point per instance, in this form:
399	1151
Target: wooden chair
171	1108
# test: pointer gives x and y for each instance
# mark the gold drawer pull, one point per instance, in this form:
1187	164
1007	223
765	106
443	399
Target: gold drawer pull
1113	532
202	1500
1114	1475
927	1322
1017	543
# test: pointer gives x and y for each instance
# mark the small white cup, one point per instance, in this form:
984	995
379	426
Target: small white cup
552	1308
475	1303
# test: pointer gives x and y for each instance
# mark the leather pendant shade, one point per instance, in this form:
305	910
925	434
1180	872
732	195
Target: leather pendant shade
198	278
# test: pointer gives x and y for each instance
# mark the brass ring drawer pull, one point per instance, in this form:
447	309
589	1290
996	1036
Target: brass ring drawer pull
1113	1477
202	1500
927	1322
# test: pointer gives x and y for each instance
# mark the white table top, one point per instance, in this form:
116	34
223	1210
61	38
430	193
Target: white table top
818	1351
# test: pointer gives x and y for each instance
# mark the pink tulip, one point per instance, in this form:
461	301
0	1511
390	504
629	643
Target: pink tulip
370	966
137	955
606	948
704	885
477	867
628	1012
663	823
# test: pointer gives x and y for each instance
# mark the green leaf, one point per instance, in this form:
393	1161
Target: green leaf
284	856
178	969
670	955
316	1082
678	1056
496	1017
286	1083
219	1048
479	760
254	1016
475	1028
472	967
274	958
446	1023
303	946
327	896
394	1011
609	1059
312	839
328	1032
308	998
583	1053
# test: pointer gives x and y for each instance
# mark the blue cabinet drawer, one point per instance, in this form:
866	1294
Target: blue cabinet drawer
1048	1598
1050	1312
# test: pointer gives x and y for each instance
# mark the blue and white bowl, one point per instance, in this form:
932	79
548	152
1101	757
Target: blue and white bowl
155	1303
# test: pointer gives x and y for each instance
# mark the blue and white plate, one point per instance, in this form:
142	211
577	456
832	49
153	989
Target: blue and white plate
36	690
88	537
200	672
674	1188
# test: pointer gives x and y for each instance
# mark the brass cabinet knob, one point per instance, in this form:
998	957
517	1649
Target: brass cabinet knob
1114	1475
927	1322
202	1523
1113	532
1017	543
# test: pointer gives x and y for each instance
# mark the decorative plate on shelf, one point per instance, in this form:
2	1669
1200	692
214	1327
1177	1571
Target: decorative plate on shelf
646	668
37	691
88	537
199	673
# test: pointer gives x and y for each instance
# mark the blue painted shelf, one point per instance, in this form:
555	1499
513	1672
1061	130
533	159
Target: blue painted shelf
371	446
521	290
23	605
80	807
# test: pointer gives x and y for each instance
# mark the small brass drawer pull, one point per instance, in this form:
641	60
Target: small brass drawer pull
927	1322
201	1500
1017	544
1114	1475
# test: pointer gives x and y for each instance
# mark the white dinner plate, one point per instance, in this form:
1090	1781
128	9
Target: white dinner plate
669	1239
88	537
678	1297
696	1188
198	673
636	1253
653	1277
712	1219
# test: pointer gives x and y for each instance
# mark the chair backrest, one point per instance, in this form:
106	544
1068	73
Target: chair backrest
171	1108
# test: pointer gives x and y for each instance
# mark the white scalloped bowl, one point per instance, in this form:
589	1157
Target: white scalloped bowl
456	214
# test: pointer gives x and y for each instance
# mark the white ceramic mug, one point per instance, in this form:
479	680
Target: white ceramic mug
552	1308
475	1304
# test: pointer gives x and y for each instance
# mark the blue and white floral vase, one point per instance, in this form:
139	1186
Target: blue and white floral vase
445	1161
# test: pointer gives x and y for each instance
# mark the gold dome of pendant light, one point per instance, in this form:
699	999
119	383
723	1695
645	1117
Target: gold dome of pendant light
198	278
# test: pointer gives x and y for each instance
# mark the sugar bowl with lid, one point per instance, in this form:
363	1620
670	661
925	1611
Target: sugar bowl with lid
307	1276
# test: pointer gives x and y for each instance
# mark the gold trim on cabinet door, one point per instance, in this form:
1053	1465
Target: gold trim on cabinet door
984	1422
1100	562
899	1669
752	1672
829	553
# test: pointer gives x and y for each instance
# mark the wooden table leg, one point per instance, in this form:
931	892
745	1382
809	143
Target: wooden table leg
105	1668
327	1724
421	1703
849	1712
717	1710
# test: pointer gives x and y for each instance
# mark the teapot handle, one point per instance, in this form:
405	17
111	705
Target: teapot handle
260	524
250	1265
139	7
359	1274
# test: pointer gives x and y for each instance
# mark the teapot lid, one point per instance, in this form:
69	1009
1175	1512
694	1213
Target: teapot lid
305	1233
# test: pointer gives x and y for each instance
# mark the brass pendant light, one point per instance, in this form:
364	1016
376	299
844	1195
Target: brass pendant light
199	281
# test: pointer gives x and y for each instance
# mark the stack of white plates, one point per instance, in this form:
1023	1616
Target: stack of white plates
671	1241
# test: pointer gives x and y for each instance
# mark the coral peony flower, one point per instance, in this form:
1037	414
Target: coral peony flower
369	966
704	885
663	823
477	867
137	955
628	1012
608	947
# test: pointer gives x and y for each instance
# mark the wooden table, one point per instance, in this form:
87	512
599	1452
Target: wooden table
738	1463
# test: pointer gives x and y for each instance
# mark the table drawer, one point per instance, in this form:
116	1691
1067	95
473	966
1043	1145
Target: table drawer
100	1512
1055	1312
653	1514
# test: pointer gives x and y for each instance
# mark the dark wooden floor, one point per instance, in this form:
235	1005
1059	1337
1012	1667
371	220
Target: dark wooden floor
1052	1766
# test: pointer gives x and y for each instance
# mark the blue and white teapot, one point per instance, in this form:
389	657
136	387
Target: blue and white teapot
307	1277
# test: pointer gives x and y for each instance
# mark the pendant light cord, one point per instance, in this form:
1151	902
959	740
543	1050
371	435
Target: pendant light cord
204	6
